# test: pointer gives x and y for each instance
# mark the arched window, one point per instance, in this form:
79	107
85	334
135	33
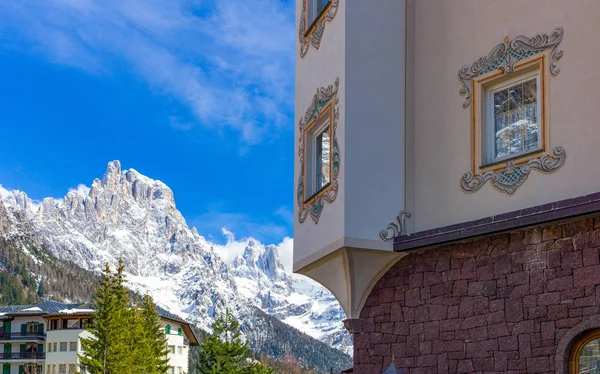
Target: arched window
179	331
168	329
585	355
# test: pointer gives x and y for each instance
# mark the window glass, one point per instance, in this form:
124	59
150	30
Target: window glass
179	331
178	349
171	348
62	368
322	158
63	346
589	358
72	346
516	127
54	324
71	368
170	371
49	349
54	347
168	329
315	7
72	323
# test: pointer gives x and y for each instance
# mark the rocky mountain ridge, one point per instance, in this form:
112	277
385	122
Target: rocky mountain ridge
128	215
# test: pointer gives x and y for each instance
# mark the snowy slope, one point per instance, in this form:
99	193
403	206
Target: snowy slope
128	215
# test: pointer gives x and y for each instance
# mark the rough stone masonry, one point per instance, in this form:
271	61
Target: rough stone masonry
498	304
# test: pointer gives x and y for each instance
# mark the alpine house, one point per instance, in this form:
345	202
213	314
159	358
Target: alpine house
446	184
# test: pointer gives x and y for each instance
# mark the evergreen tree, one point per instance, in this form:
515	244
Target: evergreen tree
123	347
150	340
110	349
225	352
96	358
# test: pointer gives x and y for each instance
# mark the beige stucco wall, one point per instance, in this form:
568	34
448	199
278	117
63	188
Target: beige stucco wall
451	33
320	68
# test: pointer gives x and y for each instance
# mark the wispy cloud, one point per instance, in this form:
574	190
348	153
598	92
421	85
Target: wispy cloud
230	62
235	247
240	223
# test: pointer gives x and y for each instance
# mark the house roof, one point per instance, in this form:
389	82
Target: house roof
54	308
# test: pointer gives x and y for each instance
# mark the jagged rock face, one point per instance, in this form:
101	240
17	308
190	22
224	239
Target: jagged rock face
4	219
128	215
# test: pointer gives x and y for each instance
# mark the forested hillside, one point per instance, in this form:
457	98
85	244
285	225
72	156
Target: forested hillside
30	274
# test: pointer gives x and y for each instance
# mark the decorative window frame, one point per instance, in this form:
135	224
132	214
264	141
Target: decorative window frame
506	61
534	65
312	34
325	102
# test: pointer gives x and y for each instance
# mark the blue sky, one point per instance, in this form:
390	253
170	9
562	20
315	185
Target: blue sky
198	94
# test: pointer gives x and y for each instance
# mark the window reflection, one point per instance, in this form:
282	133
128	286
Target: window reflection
323	160
589	358
516	119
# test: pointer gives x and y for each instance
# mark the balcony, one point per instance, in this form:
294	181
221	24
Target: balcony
22	336
23	356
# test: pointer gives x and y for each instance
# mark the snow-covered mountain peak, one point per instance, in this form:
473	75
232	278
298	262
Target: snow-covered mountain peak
131	216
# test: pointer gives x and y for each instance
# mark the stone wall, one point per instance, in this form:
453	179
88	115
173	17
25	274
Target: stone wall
493	304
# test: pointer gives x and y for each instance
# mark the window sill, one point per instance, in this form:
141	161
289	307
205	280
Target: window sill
314	196
517	159
313	25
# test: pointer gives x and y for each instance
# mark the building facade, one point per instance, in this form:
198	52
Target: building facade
46	338
446	184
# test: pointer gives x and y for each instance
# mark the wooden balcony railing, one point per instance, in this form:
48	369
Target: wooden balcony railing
23	355
22	336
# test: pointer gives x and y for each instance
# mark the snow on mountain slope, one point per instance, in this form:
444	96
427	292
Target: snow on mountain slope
129	215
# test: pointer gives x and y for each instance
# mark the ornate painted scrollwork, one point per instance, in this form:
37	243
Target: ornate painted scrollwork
505	55
316	35
511	178
396	228
314	207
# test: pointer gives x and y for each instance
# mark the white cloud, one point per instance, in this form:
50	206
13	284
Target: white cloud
234	247
82	190
222	59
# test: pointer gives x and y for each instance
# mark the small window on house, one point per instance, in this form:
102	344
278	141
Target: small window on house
62	368
63	346
168	329
49	348
179	331
73	346
314	9
72	369
171	348
71	324
318	156
171	370
54	324
54	346
178	349
509	114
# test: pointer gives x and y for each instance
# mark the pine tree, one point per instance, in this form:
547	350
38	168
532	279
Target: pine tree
96	347
109	348
123	334
149	340
225	352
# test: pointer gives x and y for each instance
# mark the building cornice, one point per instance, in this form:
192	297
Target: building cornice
559	210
